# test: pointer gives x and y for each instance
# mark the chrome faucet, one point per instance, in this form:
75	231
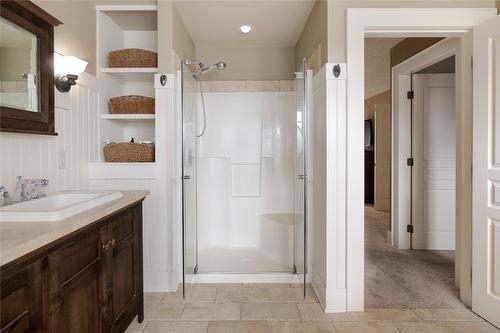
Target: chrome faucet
39	186
4	197
27	189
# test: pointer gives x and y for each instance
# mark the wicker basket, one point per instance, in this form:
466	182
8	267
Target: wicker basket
133	58
129	152
131	104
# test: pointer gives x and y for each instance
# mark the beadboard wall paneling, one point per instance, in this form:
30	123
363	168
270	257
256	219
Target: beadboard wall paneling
41	156
158	265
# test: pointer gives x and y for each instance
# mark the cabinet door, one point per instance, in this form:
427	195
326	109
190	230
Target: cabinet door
124	270
77	301
21	300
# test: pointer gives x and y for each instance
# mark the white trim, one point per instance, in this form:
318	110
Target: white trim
160	281
397	22
122	8
319	287
335	284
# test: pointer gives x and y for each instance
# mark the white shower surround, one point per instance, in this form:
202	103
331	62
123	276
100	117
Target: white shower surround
246	177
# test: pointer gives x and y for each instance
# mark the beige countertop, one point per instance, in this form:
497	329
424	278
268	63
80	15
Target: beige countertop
20	238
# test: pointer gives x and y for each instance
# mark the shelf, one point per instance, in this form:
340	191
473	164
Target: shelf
103	170
128	117
131	74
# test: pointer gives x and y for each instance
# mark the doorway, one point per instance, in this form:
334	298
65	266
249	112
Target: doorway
400	22
421	275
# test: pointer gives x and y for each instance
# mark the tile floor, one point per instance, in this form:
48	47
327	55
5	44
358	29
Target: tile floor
280	308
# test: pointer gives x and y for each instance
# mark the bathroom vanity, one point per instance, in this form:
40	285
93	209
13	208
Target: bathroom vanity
80	274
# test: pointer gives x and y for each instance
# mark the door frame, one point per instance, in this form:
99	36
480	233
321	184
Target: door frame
382	22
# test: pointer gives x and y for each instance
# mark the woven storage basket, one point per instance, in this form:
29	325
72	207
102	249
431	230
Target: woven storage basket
133	58
131	104
129	152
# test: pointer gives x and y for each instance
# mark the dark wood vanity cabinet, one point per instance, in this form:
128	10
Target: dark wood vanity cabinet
92	282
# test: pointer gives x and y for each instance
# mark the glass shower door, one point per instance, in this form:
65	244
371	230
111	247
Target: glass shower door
300	258
189	171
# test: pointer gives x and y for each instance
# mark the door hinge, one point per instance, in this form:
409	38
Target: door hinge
409	228
410	94
409	161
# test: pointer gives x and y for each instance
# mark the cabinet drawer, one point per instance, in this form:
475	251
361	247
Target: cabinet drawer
74	257
123	225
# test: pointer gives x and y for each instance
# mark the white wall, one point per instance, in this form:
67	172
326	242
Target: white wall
61	159
316	182
327	180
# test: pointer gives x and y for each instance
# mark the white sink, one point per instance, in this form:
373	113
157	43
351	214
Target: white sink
55	207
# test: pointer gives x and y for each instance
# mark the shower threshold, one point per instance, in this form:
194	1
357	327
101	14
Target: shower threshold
279	277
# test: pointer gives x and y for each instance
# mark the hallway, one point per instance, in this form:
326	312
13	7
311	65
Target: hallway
402	278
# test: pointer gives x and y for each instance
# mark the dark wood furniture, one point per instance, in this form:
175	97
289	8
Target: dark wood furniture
29	16
88	281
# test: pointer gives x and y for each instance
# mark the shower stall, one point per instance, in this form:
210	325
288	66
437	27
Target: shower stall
244	172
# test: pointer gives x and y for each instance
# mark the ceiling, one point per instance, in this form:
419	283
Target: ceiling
216	23
377	65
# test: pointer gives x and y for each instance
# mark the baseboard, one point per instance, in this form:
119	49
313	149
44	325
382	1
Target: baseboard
332	300
336	300
319	288
244	278
160	281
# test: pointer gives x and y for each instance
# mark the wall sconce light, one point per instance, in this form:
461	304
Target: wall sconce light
66	71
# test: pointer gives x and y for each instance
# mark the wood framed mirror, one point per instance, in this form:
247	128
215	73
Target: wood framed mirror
26	68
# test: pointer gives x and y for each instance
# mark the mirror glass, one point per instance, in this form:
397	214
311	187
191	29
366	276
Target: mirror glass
18	67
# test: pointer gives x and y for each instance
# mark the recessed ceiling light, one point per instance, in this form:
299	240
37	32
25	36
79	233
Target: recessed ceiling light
245	29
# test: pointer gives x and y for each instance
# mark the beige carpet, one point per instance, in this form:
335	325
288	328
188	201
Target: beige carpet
405	279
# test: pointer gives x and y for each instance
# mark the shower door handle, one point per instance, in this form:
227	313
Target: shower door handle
186	177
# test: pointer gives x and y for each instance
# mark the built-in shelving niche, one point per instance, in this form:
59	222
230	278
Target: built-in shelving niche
121	27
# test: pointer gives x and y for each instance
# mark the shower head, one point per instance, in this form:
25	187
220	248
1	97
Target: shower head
219	66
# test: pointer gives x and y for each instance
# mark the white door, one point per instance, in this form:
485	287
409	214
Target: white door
434	162
383	157
486	172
